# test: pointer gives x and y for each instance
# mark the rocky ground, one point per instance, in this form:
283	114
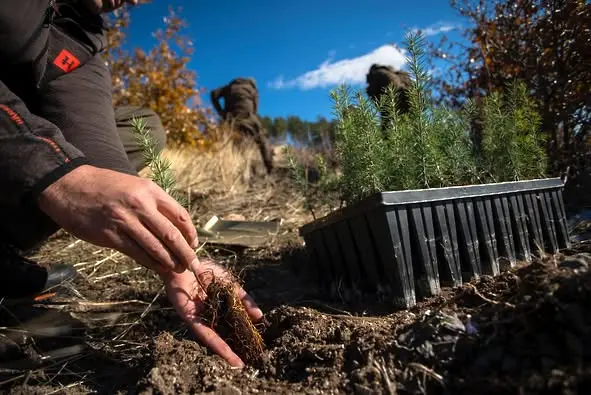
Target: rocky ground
523	332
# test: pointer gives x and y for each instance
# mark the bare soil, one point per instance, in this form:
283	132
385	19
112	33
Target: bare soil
526	331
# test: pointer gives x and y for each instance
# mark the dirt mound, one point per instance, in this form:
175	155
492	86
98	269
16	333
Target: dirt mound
307	354
535	337
523	332
182	366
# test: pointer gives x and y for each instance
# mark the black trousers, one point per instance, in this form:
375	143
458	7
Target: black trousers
80	104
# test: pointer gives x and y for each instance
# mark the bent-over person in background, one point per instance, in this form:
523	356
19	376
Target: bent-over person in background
241	102
380	77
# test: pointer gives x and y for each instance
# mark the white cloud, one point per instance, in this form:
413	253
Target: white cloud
437	28
350	71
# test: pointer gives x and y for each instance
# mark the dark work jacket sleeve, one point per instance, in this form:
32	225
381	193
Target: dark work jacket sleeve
33	152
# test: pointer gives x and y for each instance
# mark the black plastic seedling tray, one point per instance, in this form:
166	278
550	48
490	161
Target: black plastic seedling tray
404	245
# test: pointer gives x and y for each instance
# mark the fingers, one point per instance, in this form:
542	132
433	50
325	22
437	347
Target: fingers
254	312
149	243
179	217
130	247
171	238
211	339
181	291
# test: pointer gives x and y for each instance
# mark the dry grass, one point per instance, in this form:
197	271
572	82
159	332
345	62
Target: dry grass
229	166
231	179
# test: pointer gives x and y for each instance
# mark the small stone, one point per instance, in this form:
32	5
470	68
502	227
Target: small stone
272	370
343	335
505	264
451	322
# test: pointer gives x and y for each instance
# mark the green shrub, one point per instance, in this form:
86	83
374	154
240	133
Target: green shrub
427	147
361	150
512	144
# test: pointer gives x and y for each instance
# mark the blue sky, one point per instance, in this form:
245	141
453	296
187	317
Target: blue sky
297	51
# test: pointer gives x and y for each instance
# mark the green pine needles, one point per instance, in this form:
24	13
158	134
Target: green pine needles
161	173
430	146
324	187
512	146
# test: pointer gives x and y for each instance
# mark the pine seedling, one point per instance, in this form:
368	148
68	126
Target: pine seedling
456	160
323	188
531	157
359	145
388	107
427	158
399	170
299	172
160	168
328	182
512	145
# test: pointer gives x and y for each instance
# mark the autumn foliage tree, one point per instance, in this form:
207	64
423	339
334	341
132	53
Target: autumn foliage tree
159	78
544	43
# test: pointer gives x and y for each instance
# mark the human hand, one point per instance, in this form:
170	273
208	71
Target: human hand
130	214
188	298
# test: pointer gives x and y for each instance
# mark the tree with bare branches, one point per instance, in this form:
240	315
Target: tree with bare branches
545	43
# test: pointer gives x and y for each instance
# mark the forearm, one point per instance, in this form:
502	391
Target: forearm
33	151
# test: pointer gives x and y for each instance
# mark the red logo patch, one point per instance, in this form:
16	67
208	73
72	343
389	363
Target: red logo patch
66	61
